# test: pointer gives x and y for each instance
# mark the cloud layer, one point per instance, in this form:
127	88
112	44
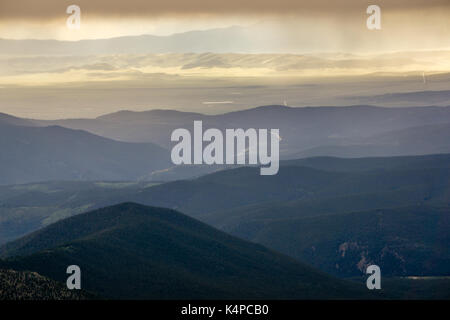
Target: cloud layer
53	9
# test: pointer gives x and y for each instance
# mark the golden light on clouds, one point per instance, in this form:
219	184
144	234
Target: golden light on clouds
329	21
52	9
102	28
233	44
175	69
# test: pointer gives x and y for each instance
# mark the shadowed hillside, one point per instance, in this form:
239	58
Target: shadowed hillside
402	241
324	203
56	153
136	252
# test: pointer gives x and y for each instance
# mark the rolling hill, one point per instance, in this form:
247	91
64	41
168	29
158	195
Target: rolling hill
354	131
372	163
56	153
403	241
223	199
430	139
231	189
6	119
130	251
319	203
60	151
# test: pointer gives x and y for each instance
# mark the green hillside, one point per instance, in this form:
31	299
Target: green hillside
344	195
236	188
29	207
131	251
25	208
372	163
402	241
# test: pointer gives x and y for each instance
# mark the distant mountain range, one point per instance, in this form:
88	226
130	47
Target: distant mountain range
6	119
429	139
57	153
355	131
406	98
130	251
136	145
253	39
192	41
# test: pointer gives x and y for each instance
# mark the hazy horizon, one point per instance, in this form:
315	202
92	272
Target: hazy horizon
219	57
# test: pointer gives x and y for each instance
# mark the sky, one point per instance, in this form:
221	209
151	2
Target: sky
51	9
280	45
421	23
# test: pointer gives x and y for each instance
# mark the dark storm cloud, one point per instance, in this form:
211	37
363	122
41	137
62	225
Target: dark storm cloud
52	9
